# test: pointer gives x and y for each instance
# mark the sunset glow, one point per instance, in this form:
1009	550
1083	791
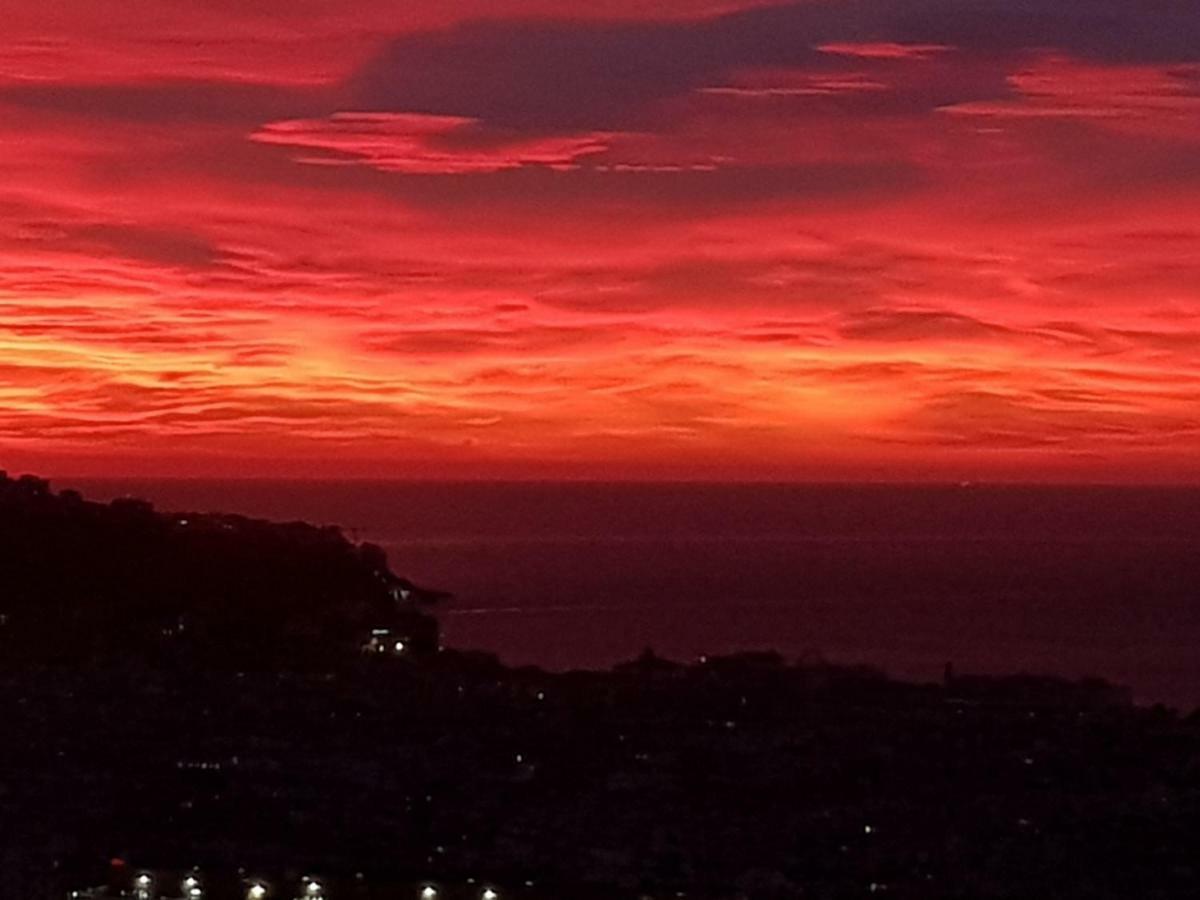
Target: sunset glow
518	238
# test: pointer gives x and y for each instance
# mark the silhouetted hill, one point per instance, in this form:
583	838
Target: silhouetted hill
83	578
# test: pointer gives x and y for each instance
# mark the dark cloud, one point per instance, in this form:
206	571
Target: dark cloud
550	75
163	247
569	75
172	248
918	325
538	75
1105	30
997	419
454	341
775	337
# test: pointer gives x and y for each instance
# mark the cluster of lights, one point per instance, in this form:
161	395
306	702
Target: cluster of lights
382	640
192	888
430	892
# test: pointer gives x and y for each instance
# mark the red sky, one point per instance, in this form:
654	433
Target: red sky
826	240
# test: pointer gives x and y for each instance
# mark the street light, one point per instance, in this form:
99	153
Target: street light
256	891
429	892
489	894
313	889
143	886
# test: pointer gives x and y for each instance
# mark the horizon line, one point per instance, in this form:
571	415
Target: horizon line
961	484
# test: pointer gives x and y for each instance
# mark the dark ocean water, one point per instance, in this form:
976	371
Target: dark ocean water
1072	581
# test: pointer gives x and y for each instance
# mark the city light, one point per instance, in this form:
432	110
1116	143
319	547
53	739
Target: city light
313	889
489	894
399	646
143	885
256	891
429	892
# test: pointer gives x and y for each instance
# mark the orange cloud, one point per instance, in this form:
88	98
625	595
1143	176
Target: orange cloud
885	50
423	144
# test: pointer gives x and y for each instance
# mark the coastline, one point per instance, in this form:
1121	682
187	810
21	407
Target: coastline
186	710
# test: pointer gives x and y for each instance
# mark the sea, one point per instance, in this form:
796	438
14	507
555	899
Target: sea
1070	581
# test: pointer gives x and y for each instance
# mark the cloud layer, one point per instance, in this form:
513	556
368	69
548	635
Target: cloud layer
827	239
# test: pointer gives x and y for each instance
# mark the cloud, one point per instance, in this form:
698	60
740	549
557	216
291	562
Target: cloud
734	236
153	245
622	197
425	144
997	420
885	50
564	75
1103	30
1160	99
168	100
493	341
918	325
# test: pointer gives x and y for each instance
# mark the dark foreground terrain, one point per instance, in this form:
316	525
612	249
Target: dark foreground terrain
268	702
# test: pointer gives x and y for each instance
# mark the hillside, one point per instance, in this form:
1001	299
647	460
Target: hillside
84	578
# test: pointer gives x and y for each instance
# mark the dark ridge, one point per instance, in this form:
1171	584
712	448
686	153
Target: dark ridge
85	581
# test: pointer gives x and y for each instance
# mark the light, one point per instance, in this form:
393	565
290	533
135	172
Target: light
489	894
192	889
256	891
143	880
313	888
429	892
399	646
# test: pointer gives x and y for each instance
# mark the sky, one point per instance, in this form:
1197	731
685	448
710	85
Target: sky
826	240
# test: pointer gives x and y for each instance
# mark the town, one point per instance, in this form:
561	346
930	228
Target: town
205	707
